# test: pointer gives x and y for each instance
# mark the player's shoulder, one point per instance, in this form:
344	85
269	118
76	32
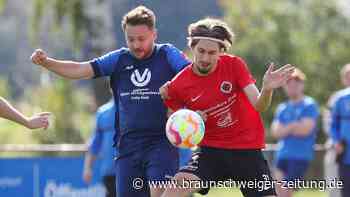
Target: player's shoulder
166	46
231	61
343	93
120	51
167	49
340	95
183	75
310	102
282	106
231	58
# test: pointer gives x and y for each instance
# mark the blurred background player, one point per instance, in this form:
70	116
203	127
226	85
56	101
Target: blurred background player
221	87
339	131
101	147
331	166
36	121
294	126
137	73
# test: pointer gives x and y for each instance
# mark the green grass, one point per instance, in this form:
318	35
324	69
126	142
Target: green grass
237	193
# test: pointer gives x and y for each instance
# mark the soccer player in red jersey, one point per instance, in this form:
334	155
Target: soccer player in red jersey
221	87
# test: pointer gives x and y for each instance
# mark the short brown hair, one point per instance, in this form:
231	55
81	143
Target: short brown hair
139	16
345	69
298	74
212	28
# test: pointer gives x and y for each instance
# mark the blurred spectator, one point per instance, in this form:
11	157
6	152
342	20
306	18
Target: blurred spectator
101	144
294	126
339	129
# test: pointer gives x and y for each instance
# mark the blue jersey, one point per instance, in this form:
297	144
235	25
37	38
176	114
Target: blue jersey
101	142
295	147
340	120
136	83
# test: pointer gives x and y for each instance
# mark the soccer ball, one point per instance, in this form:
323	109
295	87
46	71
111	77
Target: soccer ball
185	128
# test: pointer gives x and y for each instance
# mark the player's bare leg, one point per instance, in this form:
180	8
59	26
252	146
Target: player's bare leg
281	192
156	192
181	191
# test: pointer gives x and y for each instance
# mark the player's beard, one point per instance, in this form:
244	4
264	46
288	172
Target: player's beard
204	70
142	53
139	53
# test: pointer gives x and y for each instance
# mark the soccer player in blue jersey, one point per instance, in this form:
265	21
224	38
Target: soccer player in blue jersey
101	146
339	131
331	166
294	126
7	111
136	73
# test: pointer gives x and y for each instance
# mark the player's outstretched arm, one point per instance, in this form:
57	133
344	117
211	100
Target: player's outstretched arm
272	80
36	121
68	69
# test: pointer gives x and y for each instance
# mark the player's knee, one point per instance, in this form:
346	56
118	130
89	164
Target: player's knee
156	192
181	176
180	189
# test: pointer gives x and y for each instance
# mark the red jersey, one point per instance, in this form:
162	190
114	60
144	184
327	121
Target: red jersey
232	121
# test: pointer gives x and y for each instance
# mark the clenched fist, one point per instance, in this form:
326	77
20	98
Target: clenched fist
40	120
39	57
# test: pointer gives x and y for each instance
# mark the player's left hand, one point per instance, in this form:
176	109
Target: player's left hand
275	79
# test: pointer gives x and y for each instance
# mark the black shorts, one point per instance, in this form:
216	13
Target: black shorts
246	169
109	183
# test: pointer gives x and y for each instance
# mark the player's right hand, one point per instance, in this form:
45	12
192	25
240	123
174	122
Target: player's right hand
39	57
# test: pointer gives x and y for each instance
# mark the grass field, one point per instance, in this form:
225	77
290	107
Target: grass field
237	193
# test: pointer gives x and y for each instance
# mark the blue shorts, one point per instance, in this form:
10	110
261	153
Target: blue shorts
292	168
155	162
344	173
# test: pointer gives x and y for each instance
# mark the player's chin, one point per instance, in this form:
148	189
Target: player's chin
140	55
204	70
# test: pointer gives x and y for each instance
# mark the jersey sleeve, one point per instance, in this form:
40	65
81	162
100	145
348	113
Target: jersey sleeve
174	102
243	75
176	58
106	64
95	143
